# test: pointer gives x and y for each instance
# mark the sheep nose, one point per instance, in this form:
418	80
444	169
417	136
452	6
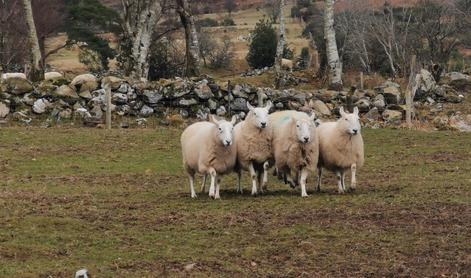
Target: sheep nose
355	131
228	143
263	124
306	139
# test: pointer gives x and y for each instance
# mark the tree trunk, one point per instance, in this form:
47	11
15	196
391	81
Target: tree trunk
191	38
36	73
281	40
140	20
334	63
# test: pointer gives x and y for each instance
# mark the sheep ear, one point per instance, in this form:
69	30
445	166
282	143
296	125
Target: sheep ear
213	119
269	105
312	117
249	106
342	112
355	110
234	120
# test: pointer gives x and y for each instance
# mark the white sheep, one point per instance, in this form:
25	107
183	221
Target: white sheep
207	148
341	148
253	139
9	75
295	146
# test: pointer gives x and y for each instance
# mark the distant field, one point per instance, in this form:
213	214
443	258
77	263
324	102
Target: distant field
67	59
118	204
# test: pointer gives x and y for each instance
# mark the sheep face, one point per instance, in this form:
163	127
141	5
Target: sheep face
304	129
225	130
349	123
260	115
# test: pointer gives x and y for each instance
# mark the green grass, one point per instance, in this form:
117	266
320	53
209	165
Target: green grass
118	204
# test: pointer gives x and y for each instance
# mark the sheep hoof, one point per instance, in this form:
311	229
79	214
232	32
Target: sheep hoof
304	195
217	198
193	196
341	192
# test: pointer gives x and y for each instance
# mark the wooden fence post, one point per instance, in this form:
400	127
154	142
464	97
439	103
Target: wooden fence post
361	81
410	87
108	106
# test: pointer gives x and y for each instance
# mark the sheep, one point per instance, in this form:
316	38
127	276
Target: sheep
253	139
9	75
287	64
295	146
207	148
341	148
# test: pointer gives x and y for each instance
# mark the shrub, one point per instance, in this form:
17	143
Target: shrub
223	55
228	22
167	60
262	48
207	22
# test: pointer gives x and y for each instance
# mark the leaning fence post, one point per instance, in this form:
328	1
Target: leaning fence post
410	88
361	81
108	105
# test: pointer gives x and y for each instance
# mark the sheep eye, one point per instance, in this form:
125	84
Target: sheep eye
220	129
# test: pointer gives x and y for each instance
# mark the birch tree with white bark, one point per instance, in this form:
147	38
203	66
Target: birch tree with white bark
333	59
140	18
281	44
193	61
36	72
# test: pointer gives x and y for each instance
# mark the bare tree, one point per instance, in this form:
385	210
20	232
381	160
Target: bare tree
12	35
191	38
281	44
140	18
334	63
36	73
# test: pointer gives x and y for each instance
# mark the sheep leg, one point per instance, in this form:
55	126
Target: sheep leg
319	178
203	185
302	181
353	183
260	181
343	181
253	176
212	190
239	177
339	181
218	183
192	183
265	175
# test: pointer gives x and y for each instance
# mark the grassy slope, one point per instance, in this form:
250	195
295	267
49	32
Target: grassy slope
118	204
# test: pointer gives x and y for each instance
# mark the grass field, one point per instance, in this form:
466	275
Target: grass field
118	204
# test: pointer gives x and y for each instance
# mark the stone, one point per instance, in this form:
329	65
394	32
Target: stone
363	105
96	112
85	95
40	106
392	95
279	105
238	91
66	113
152	97
379	102
221	111
66	92
373	115
212	104
125	88
18	86
460	81
320	107
53	76
188	102
185	114
4	110
84	82
146	111
119	98
239	104
113	81
21	116
123	109
392	116
82	113
203	91
28	99
327	96
427	83
441	122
